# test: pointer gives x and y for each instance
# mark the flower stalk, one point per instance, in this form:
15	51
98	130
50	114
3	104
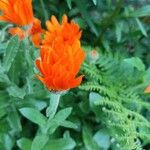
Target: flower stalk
54	102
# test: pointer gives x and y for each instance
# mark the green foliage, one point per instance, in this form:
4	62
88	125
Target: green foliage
119	105
109	110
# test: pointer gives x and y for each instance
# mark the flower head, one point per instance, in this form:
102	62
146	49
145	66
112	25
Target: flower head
59	66
18	12
60	56
34	31
64	32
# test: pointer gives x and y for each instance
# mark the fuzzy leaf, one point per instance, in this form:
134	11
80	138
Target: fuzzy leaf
24	144
39	142
60	144
15	91
33	115
10	52
59	119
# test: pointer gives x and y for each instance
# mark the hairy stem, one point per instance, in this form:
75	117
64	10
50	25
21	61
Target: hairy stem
54	102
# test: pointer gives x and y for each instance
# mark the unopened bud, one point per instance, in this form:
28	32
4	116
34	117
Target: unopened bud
93	56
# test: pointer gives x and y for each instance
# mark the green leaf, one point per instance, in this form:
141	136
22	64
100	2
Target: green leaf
39	142
82	7
63	114
141	12
95	2
147	76
60	144
54	102
135	62
15	91
119	29
33	115
14	120
58	120
10	52
4	78
141	27
80	22
102	138
69	124
90	144
9	142
93	97
24	144
69	3
3	103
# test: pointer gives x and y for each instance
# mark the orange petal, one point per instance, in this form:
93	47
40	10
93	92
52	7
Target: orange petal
147	90
17	31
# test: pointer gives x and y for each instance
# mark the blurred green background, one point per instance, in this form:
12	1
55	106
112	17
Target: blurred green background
110	110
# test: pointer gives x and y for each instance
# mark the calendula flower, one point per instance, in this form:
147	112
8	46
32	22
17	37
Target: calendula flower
64	32
34	32
59	65
147	90
18	31
18	12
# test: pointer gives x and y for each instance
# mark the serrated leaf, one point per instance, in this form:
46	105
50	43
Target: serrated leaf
10	52
24	144
39	142
34	115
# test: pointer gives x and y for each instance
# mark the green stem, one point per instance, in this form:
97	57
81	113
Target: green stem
54	102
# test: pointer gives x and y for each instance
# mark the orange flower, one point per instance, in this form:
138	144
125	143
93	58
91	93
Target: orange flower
59	66
64	32
34	31
18	31
18	12
147	90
